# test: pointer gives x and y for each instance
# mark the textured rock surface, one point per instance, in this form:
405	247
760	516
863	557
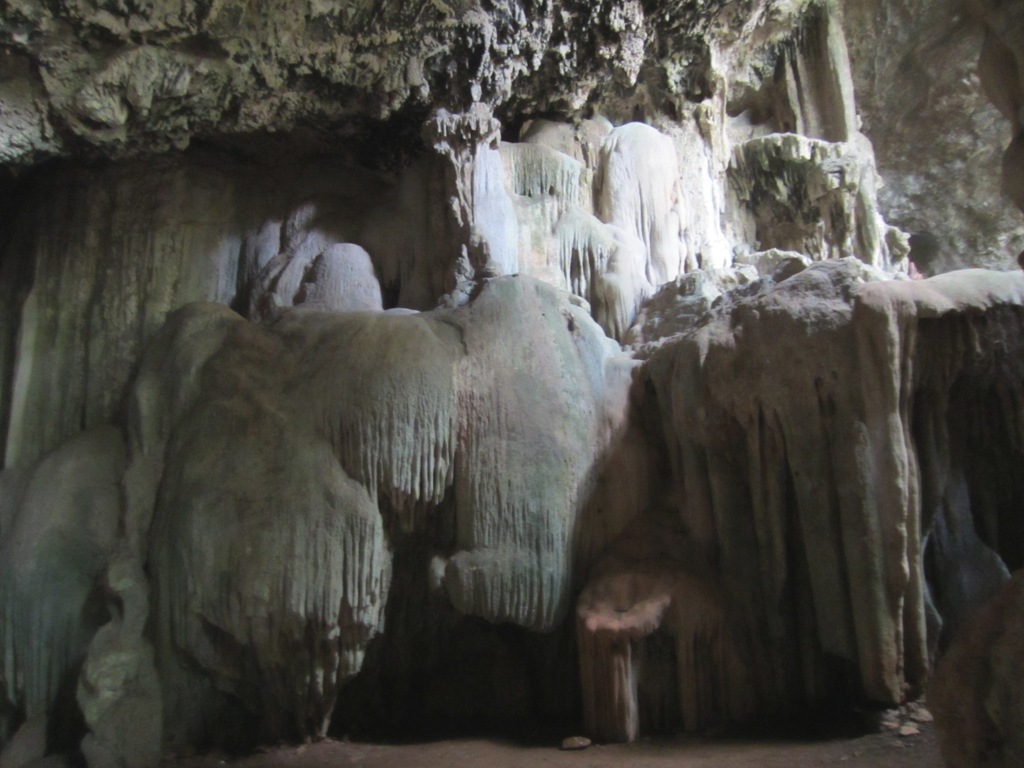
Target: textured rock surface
656	644
1001	68
607	227
814	197
108	254
364	485
808	421
938	140
975	695
271	466
120	79
684	303
58	525
98	257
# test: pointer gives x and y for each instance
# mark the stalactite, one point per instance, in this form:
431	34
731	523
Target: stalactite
635	189
265	462
794	486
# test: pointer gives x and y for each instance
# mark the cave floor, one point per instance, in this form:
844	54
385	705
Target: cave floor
880	749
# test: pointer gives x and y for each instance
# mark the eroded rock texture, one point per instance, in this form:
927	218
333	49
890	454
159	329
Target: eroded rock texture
314	409
827	451
119	78
1000	68
58	523
918	70
271	467
975	694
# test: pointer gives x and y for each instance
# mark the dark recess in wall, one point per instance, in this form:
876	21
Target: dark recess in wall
15	277
391	144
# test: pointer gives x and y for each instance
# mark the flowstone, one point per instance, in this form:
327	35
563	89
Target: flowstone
825	495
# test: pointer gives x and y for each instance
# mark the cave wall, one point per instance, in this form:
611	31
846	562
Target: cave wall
608	212
576	376
916	71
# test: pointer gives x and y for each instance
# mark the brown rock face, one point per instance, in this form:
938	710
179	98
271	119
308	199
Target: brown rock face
837	500
976	695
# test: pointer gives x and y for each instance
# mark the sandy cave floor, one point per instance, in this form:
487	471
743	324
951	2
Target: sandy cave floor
871	751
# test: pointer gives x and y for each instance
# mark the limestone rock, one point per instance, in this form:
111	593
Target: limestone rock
975	694
607	228
119	689
380	492
25	129
919	713
636	192
276	462
106	254
119	79
815	378
656	649
338	278
575	742
938	140
122	249
813	197
680	305
767	262
498	571
59	529
1000	70
27	746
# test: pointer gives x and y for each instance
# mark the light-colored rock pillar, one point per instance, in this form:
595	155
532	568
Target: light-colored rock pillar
480	219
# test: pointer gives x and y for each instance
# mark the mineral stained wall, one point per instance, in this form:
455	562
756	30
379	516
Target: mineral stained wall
376	368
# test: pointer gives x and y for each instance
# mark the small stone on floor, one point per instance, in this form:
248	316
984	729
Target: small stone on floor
921	715
575	742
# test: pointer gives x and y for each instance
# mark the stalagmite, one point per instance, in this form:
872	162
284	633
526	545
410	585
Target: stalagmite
654	585
635	191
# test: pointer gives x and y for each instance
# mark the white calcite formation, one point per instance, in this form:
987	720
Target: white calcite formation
330	276
270	465
607	229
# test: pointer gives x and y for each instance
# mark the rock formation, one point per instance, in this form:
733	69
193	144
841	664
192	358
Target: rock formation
975	694
867	382
918	70
371	367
